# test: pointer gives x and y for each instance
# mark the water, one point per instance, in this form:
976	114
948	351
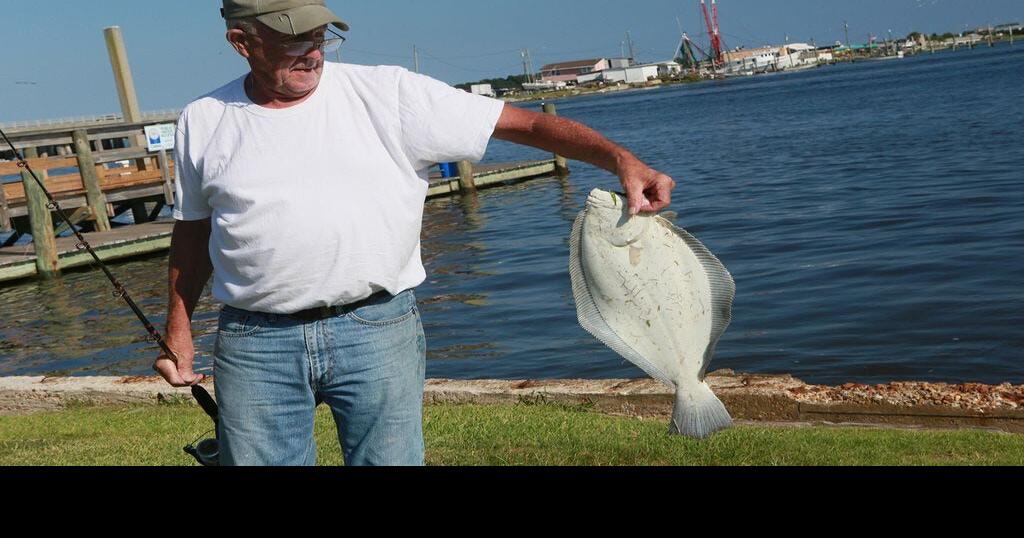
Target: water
871	215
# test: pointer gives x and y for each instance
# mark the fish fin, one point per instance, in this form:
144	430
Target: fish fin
723	291
698	413
590	316
670	216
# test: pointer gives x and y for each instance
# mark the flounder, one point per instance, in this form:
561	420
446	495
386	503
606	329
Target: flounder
657	296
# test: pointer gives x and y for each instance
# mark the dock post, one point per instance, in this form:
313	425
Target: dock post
125	86
94	197
467	181
47	264
165	171
561	164
5	212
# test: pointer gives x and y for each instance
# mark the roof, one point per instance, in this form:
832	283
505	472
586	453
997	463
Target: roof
571	65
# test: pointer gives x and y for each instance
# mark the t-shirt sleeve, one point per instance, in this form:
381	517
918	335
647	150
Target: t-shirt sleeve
444	124
189	202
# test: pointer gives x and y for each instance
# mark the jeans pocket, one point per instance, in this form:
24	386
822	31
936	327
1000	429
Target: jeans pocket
400	308
237	323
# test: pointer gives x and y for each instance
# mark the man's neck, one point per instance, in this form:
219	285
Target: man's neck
268	99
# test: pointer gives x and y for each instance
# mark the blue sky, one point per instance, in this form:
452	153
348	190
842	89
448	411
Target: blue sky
55	62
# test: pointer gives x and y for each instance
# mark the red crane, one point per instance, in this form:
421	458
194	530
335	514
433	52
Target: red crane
711	20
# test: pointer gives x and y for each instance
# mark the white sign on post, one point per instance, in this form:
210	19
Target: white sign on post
160	137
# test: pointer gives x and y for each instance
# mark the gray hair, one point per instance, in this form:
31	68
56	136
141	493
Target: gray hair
245	24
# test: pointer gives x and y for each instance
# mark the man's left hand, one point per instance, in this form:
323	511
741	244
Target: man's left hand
648	190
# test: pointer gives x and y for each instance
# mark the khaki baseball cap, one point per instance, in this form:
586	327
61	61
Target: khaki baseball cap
292	17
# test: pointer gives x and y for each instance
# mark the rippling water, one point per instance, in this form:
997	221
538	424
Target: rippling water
871	214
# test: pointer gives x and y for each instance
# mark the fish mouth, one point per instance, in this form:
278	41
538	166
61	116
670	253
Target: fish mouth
607	199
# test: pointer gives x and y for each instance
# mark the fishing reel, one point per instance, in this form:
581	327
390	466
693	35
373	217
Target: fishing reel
207	451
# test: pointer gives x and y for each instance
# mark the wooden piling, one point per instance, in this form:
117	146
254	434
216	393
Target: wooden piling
125	86
122	74
94	196
165	172
5	212
561	164
41	222
467	181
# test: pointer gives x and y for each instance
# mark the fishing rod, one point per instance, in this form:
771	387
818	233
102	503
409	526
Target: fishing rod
205	457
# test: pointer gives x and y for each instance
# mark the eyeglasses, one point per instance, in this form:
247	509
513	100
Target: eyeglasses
302	48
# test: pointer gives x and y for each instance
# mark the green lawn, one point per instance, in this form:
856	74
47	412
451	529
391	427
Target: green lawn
505	435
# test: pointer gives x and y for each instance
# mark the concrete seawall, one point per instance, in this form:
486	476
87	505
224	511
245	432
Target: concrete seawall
749	398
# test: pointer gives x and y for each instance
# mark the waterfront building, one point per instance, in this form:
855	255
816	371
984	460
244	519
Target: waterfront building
482	89
799	56
631	75
569	71
636	74
750	61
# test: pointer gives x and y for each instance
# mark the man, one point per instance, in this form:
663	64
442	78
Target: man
301	188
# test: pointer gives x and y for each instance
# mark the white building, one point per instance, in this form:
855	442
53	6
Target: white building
750	61
631	75
798	56
482	89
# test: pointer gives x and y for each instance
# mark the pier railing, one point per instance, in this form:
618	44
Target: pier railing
87	121
87	183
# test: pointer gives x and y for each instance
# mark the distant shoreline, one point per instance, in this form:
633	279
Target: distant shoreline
577	92
658	83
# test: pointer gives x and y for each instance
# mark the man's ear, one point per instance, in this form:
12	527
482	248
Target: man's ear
239	41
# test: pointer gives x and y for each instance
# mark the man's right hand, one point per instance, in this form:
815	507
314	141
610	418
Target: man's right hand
177	370
189	270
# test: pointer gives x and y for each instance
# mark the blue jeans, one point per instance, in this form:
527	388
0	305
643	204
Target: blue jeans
368	366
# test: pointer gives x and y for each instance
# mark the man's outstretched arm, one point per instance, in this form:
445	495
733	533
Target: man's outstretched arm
648	190
189	270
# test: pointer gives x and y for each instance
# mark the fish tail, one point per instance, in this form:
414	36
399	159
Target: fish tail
698	412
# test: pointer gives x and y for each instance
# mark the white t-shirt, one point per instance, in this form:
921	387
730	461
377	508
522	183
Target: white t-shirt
321	204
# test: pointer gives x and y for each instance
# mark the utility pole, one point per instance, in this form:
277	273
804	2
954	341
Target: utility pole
846	25
415	59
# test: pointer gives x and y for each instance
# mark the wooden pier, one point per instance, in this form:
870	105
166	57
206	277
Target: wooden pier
19	262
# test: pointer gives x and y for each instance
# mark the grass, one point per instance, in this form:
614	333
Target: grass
525	434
